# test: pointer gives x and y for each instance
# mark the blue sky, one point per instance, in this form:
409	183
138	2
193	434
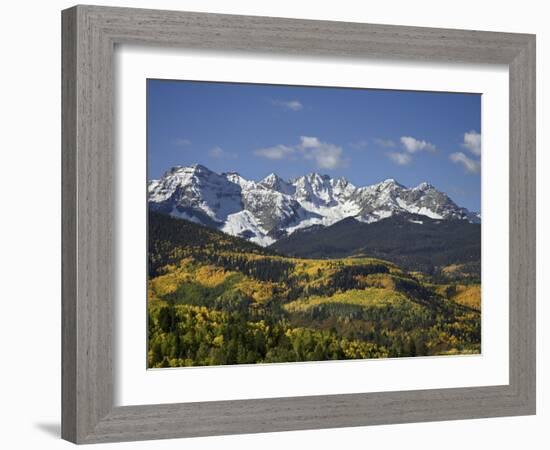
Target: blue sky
361	134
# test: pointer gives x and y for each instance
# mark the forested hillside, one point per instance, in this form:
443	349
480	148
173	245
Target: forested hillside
215	299
415	242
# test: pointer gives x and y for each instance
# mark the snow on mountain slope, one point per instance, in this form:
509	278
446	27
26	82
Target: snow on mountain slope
244	224
266	210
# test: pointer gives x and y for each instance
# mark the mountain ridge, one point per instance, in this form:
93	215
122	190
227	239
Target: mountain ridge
414	242
272	208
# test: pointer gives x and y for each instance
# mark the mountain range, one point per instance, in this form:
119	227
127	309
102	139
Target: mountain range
271	209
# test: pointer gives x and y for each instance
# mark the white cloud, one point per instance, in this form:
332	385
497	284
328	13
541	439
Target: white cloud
309	142
470	165
410	146
413	145
401	159
388	143
181	142
276	153
220	153
472	141
324	154
292	105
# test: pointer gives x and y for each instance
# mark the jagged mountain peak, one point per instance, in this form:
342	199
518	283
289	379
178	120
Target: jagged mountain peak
186	171
264	211
342	180
232	173
275	182
311	178
196	168
236	178
424	186
389	183
271	178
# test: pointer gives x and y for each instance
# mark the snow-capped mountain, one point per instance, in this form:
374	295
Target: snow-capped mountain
266	210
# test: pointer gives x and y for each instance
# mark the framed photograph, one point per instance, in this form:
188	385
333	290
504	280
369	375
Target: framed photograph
277	224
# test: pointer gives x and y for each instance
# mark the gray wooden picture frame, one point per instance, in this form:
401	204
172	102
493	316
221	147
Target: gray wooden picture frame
90	34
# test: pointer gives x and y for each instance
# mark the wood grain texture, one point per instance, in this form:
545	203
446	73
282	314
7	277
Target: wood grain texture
89	36
523	224
68	226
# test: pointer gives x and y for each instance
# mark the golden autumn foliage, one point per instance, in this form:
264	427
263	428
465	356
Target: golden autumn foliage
468	295
369	297
223	301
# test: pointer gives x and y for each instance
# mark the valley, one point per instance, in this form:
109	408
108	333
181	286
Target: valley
217	299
